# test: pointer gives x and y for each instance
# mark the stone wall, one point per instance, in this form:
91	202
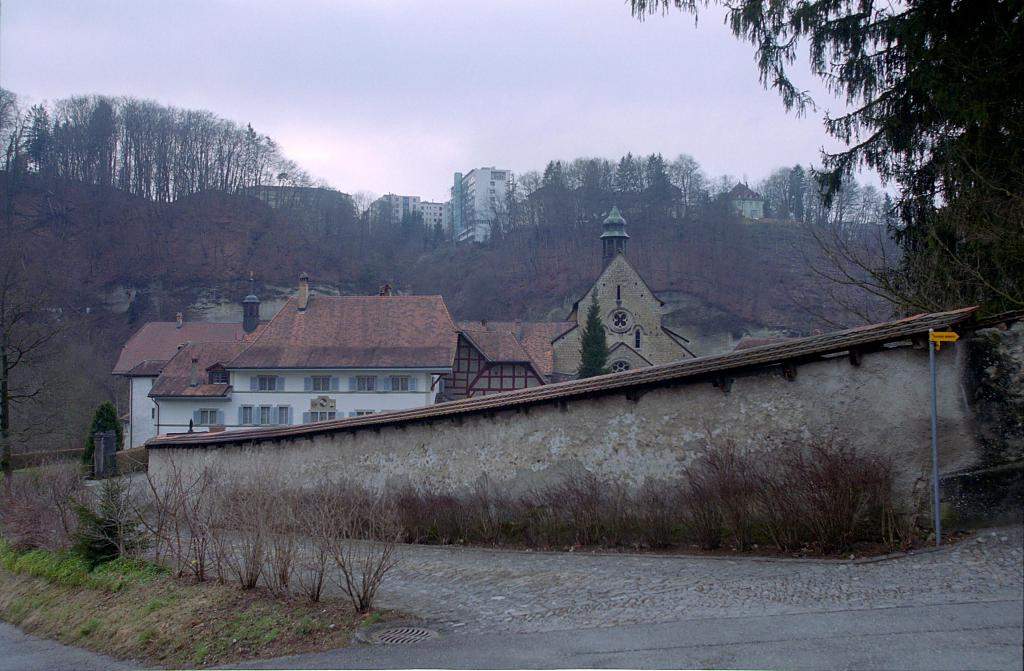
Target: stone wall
881	406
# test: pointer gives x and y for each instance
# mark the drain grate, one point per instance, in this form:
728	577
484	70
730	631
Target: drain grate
398	635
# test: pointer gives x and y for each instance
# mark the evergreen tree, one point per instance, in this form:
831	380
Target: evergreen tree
593	347
105	419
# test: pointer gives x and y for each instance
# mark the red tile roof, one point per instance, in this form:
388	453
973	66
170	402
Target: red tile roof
743	192
159	341
176	377
356	332
534	337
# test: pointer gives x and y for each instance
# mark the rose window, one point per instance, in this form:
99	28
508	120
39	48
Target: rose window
621	321
620	366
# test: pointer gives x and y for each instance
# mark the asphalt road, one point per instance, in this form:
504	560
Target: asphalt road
21	652
951	636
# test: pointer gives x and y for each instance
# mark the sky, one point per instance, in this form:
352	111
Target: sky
396	95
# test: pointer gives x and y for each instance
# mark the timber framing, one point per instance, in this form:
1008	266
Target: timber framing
787	356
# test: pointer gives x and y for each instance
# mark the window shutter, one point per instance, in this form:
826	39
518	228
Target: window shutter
291	419
352	383
385	383
279	386
412	382
195	417
254	383
241	409
307	383
220	417
335	383
305	418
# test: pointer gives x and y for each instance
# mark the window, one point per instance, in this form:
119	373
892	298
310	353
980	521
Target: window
366	383
636	339
321	383
268	383
266	415
283	414
399	383
620	366
207	417
361	413
152	413
245	415
321	416
218	377
618	292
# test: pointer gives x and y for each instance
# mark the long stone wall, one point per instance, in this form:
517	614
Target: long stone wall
881	405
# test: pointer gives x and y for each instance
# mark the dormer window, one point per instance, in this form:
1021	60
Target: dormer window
218	377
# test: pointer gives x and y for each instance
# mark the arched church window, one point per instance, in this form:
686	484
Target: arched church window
618	292
620	366
637	338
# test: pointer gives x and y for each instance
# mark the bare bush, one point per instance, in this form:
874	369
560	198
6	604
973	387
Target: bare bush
361	543
38	507
282	539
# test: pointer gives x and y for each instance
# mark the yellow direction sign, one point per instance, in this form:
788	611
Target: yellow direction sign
939	337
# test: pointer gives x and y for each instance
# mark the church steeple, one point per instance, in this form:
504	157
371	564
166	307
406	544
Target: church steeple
614	236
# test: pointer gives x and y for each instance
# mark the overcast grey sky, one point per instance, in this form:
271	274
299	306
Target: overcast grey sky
393	95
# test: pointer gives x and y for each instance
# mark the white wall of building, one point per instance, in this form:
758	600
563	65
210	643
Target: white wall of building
175	413
142	425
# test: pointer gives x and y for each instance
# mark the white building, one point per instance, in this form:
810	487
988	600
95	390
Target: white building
478	198
392	208
433	213
319	358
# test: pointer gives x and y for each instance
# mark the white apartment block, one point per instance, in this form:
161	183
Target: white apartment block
478	198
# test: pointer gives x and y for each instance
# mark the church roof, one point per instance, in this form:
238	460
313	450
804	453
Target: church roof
614	225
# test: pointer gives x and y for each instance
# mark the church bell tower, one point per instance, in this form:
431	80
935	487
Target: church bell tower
614	236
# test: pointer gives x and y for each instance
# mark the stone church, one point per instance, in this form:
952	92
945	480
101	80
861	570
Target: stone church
631	312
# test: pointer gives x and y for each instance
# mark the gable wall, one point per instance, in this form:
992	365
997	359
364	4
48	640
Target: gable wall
656	345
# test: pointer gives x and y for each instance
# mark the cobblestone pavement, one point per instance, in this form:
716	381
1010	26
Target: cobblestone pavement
478	590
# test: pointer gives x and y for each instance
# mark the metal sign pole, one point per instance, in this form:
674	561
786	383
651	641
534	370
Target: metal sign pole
935	444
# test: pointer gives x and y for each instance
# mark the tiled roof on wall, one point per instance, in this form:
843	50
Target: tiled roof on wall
702	368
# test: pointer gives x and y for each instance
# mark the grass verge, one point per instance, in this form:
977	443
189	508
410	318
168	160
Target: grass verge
134	610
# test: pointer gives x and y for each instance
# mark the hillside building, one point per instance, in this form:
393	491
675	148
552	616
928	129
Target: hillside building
748	203
392	208
478	199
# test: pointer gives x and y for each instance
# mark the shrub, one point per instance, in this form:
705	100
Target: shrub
111	528
37	508
104	419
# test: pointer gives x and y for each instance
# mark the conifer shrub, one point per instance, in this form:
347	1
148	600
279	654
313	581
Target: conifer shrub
104	419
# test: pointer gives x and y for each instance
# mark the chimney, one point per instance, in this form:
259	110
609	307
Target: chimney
178	318
519	329
303	292
193	376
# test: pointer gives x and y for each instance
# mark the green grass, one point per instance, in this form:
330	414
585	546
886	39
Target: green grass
69	570
136	610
